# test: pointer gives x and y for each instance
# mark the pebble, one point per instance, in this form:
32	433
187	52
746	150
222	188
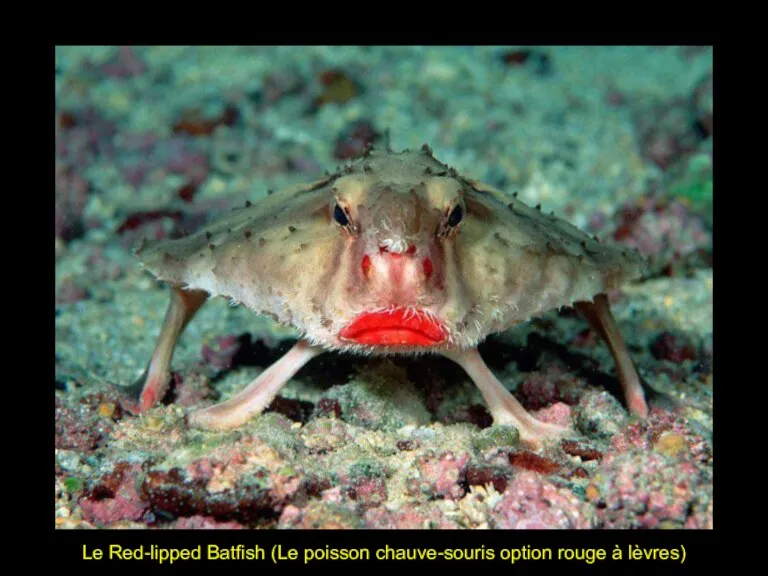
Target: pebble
671	444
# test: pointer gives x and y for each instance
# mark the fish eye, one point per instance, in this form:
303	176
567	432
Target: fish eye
455	217
340	216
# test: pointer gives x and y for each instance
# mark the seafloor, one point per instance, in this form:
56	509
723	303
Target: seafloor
153	142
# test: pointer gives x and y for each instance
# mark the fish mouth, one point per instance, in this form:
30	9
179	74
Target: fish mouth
395	327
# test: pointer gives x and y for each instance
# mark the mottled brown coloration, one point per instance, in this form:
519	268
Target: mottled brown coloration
395	254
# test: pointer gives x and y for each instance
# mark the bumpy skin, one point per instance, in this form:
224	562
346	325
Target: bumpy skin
287	257
395	254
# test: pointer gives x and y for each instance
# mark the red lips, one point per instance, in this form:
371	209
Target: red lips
391	328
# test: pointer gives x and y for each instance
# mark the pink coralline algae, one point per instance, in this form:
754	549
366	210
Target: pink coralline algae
558	413
409	517
665	130
661	228
441	475
336	512
533	502
181	155
136	151
220	354
191	388
368	492
83	136
116	497
553	384
79	425
666	432
540	388
646	489
144	155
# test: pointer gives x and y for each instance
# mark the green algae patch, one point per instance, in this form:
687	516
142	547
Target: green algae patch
73	484
367	469
496	437
693	182
381	397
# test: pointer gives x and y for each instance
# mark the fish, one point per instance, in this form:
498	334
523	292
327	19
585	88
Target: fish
396	253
